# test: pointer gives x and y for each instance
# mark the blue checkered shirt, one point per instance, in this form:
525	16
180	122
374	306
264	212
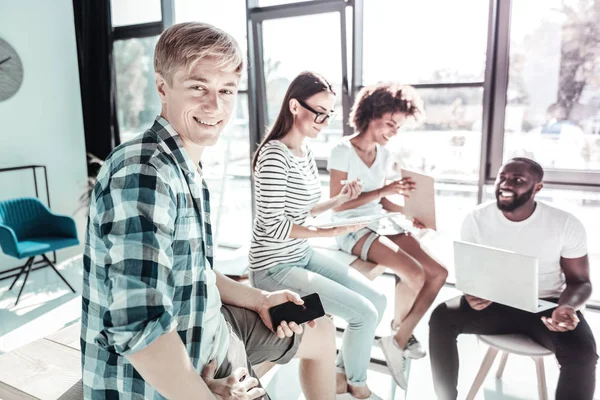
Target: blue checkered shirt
145	261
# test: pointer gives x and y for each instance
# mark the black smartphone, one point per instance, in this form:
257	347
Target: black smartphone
311	309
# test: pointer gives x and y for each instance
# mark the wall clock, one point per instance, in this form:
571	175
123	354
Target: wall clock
11	71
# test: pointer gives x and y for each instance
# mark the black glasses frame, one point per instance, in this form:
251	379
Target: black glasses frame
320	117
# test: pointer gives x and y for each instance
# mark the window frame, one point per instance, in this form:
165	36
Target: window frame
167	8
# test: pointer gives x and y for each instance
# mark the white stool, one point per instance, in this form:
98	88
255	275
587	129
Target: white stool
515	344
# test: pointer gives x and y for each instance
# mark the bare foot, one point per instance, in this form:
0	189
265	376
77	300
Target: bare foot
359	392
341	384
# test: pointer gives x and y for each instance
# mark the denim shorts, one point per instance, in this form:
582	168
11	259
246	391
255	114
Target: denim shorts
347	241
383	227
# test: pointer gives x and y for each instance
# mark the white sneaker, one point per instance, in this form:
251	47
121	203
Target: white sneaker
395	359
414	349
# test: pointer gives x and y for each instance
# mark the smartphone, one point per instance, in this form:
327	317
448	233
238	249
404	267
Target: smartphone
311	309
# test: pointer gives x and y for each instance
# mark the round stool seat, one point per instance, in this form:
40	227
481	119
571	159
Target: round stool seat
516	344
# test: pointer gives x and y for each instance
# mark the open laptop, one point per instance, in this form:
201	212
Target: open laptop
501	276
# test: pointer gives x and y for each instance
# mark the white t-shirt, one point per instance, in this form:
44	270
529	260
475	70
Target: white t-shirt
548	234
344	158
215	334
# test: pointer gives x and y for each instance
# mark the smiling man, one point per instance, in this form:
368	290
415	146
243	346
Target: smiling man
517	222
157	320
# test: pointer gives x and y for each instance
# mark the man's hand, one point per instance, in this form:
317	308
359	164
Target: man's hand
237	386
275	298
477	303
564	318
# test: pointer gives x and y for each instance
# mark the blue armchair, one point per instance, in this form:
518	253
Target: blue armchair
28	229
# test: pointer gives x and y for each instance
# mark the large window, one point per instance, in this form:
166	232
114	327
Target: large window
426	41
447	144
553	97
448	69
136	27
133	12
304	49
226	164
137	100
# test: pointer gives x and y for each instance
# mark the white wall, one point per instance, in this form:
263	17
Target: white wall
42	123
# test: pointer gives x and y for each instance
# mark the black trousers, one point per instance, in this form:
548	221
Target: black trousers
575	350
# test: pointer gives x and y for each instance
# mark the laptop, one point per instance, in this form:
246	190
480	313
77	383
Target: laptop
501	276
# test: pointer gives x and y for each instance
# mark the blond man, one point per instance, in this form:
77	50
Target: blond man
157	320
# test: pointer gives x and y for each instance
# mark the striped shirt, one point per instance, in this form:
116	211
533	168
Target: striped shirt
286	188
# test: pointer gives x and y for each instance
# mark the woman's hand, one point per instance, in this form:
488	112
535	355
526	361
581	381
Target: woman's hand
340	230
418	224
402	186
350	191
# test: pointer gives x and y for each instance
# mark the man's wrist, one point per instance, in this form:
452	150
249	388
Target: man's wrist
567	305
259	300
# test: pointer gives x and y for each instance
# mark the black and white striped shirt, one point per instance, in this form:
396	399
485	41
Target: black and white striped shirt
286	188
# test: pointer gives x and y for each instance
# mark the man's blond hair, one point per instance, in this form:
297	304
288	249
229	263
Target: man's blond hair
183	45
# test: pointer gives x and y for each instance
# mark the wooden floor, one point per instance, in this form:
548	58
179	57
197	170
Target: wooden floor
48	369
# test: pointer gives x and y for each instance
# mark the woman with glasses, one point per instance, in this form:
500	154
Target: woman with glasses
378	113
287	191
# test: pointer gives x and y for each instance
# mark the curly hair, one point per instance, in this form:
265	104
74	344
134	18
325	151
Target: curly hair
376	100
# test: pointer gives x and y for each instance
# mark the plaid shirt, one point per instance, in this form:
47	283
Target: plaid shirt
144	262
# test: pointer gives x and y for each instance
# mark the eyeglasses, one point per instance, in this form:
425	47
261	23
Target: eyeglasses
320	117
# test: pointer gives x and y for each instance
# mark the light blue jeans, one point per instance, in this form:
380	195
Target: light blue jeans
344	293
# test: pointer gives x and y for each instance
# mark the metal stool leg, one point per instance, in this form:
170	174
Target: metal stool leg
59	274
23	268
28	267
407	374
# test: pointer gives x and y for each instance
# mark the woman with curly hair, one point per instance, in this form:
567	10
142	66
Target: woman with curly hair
377	115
